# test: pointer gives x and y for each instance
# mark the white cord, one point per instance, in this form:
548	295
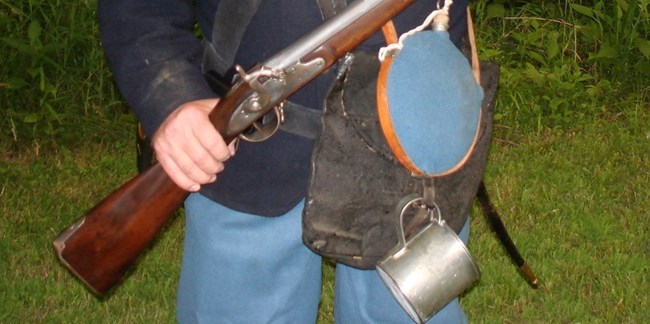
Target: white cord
391	49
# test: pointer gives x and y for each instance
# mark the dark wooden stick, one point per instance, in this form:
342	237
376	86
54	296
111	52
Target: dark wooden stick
497	225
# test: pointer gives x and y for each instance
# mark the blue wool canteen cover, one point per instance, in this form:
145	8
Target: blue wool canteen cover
429	104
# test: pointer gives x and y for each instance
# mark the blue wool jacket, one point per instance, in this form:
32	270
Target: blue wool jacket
156	58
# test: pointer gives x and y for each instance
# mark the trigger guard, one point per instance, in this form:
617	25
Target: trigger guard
262	129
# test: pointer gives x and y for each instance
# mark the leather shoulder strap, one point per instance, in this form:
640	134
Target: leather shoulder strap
329	8
230	23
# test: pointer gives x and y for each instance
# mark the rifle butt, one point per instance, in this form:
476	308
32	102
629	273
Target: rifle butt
101	246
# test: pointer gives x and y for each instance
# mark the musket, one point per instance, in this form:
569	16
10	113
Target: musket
101	246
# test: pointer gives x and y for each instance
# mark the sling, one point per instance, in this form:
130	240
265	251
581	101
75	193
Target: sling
230	23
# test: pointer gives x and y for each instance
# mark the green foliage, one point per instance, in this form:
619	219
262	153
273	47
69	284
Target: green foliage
563	61
53	71
615	32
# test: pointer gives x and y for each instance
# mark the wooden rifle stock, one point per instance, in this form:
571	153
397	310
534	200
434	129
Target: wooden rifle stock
101	246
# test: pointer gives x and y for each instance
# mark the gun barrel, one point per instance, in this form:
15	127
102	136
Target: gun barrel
340	34
290	69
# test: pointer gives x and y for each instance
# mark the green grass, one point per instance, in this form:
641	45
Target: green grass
41	194
577	205
568	168
574	200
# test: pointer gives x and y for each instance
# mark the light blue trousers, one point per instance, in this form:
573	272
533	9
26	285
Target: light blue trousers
242	268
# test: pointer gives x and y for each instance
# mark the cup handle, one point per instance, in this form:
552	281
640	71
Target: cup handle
408	202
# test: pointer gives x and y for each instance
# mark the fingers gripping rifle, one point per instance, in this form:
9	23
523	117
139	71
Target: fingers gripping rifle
101	246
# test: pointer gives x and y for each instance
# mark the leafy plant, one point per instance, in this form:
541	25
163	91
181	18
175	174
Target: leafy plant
54	71
567	58
614	33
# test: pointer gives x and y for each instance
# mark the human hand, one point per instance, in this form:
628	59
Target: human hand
189	148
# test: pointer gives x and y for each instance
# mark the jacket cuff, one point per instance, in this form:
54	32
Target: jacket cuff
174	83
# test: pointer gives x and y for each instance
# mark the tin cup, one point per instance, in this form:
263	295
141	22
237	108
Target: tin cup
431	269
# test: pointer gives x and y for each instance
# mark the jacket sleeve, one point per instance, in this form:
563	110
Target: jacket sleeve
154	55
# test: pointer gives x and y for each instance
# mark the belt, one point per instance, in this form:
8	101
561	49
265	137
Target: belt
300	120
